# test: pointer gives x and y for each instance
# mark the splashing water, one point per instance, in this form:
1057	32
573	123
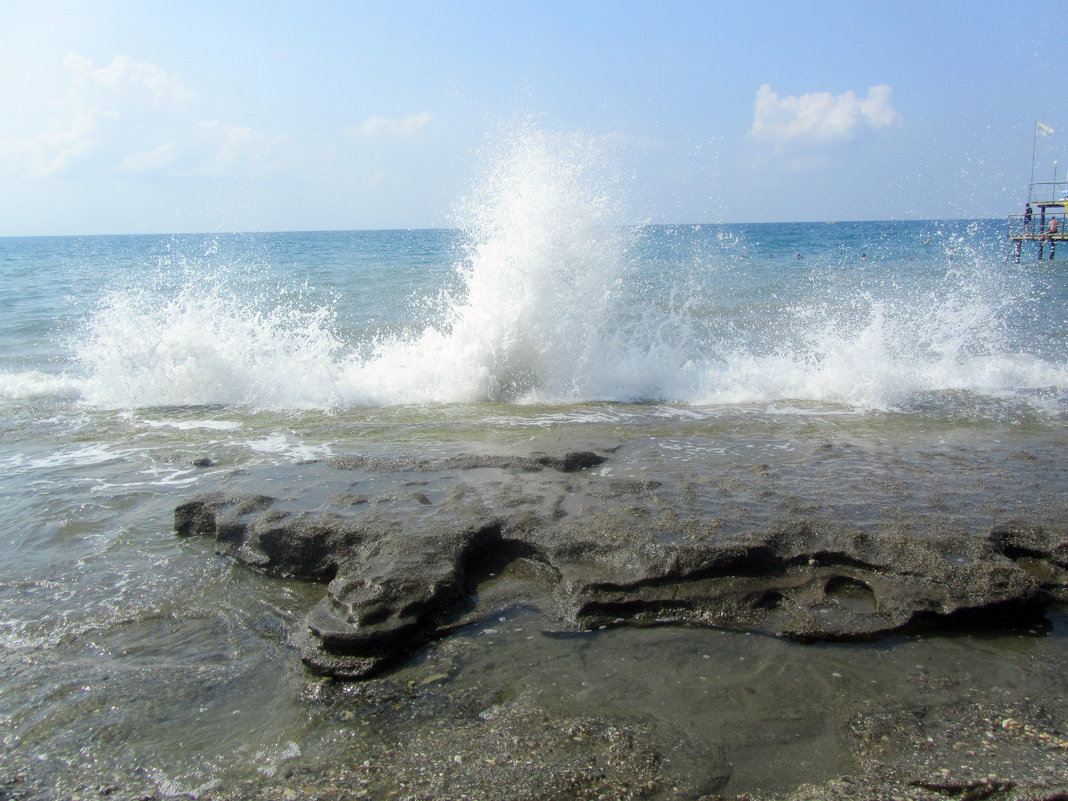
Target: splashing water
540	283
556	300
207	346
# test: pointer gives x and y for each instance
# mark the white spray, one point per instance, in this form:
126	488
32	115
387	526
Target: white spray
554	305
541	278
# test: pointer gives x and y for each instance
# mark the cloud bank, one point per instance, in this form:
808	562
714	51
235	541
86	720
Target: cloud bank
132	117
820	117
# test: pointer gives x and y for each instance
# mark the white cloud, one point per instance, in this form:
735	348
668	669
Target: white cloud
125	76
817	117
133	117
97	100
394	126
235	147
150	160
57	147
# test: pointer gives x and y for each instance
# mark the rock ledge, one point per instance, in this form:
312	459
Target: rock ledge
404	560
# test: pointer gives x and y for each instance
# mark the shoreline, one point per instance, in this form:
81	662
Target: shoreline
437	731
539	705
950	739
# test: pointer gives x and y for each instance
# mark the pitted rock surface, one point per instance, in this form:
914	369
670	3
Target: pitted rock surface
404	545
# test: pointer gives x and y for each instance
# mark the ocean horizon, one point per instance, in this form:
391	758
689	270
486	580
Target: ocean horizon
457	228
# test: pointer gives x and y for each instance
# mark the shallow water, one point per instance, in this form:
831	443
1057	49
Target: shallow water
187	704
134	657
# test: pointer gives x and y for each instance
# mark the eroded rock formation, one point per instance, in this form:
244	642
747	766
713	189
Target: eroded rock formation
406	544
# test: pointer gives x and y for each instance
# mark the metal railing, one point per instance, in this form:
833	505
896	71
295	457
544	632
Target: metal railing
1037	224
1048	192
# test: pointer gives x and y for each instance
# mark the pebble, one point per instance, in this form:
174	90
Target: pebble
433	678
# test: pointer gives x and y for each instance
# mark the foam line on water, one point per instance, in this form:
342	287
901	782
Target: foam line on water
27	385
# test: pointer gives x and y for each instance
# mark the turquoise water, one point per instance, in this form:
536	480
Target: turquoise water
539	322
875	316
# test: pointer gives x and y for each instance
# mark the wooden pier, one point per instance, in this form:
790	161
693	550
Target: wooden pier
1043	220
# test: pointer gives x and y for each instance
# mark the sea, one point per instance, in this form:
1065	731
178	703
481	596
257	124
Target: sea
136	371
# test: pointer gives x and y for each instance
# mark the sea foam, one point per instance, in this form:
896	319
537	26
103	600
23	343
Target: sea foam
26	385
556	303
541	278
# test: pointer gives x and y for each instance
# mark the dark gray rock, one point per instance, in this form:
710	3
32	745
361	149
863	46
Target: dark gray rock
1041	551
404	565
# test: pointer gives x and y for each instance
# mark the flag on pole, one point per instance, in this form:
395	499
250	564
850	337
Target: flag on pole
1042	129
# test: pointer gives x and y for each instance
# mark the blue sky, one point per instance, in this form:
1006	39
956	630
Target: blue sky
135	117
